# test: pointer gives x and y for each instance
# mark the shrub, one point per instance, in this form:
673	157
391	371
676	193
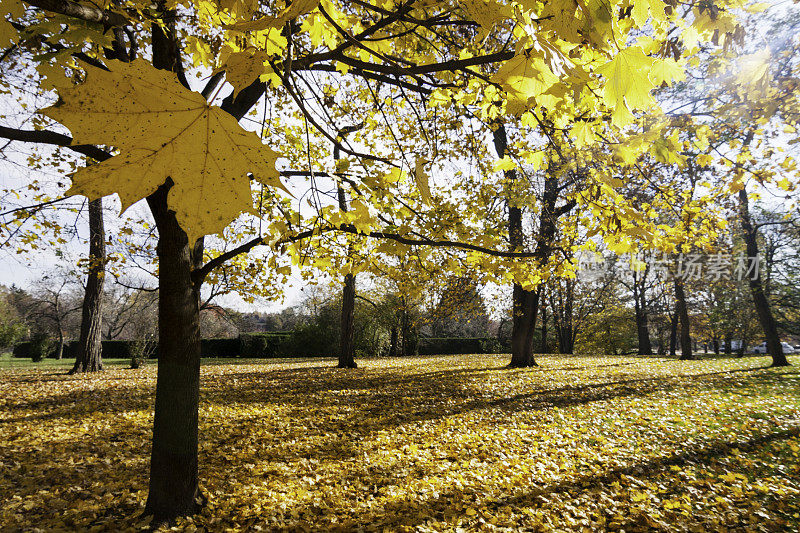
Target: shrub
141	350
460	345
41	345
266	345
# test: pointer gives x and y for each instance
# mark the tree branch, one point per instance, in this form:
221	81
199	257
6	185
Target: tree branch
108	19
57	139
200	274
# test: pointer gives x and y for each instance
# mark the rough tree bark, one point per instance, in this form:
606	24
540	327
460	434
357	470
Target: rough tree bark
562	317
682	313
525	303
60	345
763	310
174	489
662	345
523	326
88	357
346	355
409	339
673	334
347	324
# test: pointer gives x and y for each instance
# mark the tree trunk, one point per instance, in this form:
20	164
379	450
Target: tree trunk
662	347
543	348
715	344
728	339
523	327
640	310
763	310
565	343
346	356
347	326
404	333
683	314
88	356
643	334
563	316
60	348
409	339
673	334
525	304
393	342
565	336
174	487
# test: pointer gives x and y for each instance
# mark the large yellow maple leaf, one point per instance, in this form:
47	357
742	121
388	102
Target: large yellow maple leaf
628	83
526	77
163	130
14	9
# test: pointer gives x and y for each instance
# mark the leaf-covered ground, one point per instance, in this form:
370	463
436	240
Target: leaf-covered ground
420	444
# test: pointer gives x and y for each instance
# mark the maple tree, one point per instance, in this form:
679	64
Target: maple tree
544	64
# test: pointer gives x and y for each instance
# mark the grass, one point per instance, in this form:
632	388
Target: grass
8	362
420	444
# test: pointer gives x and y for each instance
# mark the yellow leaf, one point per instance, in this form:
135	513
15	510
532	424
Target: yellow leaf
598	20
560	17
163	131
666	71
292	11
342	165
582	133
628	83
504	164
642	7
784	184
487	13
525	77
13	8
704	160
243	68
422	179
753	70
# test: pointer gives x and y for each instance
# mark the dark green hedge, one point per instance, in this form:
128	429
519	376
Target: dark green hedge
219	347
284	344
460	345
111	349
266	345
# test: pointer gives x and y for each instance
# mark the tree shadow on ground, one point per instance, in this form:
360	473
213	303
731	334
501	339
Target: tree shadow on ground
370	401
701	454
376	406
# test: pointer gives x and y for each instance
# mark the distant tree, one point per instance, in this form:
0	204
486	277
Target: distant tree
460	311
610	330
54	309
129	313
12	325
